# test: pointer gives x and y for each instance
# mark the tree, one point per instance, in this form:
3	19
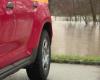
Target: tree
92	6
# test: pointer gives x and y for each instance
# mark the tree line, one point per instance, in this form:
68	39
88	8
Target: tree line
85	9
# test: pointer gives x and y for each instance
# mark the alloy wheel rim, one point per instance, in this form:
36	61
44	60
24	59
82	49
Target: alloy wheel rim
45	55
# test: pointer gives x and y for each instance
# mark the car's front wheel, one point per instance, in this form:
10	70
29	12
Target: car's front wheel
40	69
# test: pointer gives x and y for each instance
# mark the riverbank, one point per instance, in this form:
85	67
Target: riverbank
76	59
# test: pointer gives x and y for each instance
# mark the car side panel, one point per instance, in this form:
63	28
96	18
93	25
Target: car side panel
41	16
15	33
27	38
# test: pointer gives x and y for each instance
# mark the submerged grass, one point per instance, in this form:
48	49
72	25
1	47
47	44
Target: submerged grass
76	59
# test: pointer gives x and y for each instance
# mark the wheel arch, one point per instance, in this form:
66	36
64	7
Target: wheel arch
35	38
48	27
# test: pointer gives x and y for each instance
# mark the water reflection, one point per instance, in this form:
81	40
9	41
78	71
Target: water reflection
76	38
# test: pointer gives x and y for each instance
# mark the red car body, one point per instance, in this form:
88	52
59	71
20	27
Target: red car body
21	24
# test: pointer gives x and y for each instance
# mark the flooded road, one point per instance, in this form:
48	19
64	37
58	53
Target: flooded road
76	38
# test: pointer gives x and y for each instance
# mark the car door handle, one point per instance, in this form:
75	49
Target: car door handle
35	4
10	5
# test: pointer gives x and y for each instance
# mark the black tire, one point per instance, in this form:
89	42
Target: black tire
39	70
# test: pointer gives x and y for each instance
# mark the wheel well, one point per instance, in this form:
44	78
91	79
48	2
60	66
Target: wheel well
48	28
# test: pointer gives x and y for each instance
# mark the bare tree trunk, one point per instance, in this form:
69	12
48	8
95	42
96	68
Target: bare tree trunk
79	8
93	10
73	2
85	19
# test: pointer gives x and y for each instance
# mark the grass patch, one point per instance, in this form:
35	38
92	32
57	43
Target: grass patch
76	59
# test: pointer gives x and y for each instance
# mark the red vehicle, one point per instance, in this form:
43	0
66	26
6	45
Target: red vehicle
25	38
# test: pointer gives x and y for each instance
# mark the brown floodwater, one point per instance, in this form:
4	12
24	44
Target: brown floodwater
76	38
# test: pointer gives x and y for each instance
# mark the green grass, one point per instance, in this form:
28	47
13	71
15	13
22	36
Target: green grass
76	59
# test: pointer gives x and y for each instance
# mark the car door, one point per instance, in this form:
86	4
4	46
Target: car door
7	28
16	23
23	15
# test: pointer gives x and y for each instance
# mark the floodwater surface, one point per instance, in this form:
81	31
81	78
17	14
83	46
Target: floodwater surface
76	38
